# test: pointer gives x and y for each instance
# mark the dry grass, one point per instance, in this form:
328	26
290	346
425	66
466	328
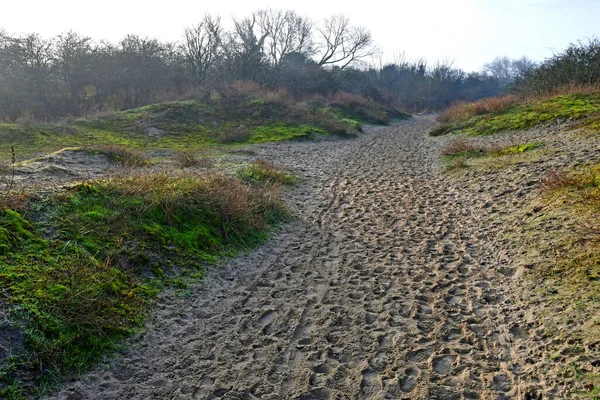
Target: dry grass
573	88
124	156
462	146
575	195
461	111
189	159
459	162
186	159
239	134
261	171
175	193
556	180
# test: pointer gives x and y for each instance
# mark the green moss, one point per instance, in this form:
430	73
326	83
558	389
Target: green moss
13	229
521	148
279	132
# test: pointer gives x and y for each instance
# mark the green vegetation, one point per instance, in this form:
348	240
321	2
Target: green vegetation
458	151
81	266
570	107
277	132
240	113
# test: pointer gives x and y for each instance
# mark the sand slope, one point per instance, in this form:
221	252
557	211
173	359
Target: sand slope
389	284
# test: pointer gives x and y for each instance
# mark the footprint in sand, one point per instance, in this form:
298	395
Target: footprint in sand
443	365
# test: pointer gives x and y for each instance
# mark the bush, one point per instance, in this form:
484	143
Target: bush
578	64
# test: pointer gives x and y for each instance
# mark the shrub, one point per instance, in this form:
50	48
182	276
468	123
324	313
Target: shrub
578	64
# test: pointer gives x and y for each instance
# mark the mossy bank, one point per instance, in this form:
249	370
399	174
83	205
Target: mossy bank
80	267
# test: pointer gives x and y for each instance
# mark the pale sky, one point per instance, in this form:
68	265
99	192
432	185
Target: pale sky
470	32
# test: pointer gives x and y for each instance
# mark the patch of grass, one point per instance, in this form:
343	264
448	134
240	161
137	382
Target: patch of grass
457	163
261	171
589	124
526	115
465	148
278	132
81	266
462	147
576	194
122	155
516	149
187	159
591	387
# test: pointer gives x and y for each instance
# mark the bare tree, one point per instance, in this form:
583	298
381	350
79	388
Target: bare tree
244	56
202	46
342	44
73	59
285	32
506	70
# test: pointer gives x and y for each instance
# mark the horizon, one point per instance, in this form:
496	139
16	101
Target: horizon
469	34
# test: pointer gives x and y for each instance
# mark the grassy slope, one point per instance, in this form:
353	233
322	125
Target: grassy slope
81	266
582	107
195	125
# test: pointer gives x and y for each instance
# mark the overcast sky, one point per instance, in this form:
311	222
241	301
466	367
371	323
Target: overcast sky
470	32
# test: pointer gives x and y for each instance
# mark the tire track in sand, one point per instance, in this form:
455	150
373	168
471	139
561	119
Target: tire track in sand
386	286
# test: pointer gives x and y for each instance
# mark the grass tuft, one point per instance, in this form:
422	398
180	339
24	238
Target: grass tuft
122	155
462	111
261	171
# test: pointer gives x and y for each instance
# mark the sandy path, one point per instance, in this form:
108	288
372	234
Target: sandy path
387	285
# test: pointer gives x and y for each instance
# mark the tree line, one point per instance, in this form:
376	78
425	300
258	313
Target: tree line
72	74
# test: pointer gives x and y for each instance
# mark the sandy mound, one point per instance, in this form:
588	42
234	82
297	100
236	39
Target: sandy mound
63	165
